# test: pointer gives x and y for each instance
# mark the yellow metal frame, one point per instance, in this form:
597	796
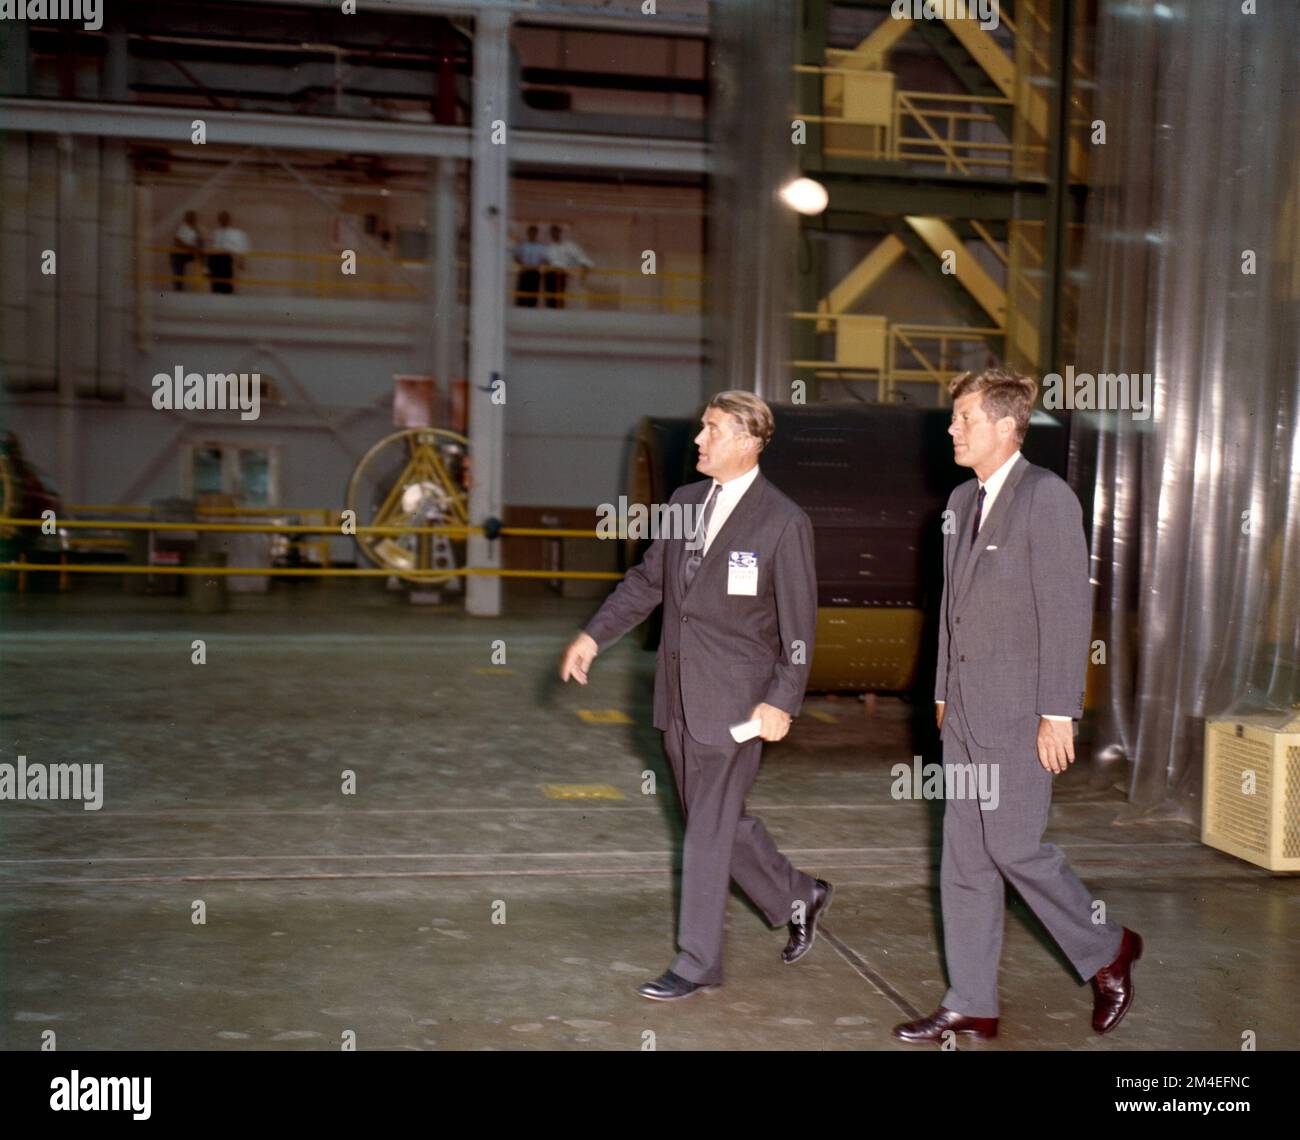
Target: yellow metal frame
63	568
938	142
673	289
1020	77
22	566
907	358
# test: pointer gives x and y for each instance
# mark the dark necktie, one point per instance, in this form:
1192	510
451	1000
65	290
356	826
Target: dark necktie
694	559
979	510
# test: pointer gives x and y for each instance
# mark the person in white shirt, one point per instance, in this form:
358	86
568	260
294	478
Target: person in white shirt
531	256
561	256
226	253
187	244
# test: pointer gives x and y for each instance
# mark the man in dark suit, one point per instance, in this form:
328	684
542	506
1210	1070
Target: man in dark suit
1014	631
739	591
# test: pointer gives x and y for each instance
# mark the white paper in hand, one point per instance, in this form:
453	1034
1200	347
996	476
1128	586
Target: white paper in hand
746	731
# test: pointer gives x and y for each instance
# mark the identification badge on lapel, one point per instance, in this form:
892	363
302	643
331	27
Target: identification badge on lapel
742	573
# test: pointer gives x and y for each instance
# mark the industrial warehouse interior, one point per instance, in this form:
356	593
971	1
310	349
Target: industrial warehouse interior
372	373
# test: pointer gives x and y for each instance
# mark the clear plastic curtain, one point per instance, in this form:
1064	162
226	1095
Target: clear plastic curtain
750	235
1193	276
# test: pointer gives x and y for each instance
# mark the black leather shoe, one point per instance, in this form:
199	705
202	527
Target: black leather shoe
803	934
669	987
928	1030
1112	985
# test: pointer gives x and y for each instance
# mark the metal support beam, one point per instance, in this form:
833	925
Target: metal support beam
553	13
813	17
15	59
116	73
809	257
559	149
113	297
872	53
863	276
446	304
173	124
942	239
972	312
71	320
938	36
894	192
489	216
1058	175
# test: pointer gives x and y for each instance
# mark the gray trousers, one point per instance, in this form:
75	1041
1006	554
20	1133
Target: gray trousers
722	843
980	848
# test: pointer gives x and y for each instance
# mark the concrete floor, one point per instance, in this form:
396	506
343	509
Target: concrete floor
374	913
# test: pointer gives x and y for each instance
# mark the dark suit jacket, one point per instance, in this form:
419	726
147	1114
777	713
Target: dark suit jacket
1016	617
729	651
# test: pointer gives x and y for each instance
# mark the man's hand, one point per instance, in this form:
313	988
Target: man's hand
774	722
578	658
1055	744
938	715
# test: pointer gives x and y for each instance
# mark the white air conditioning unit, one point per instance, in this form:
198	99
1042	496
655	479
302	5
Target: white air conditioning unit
1252	790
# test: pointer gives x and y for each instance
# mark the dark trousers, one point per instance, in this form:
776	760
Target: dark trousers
528	287
180	263
983	850
221	268
723	843
556	282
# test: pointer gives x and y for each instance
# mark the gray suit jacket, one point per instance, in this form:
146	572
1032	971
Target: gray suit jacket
729	651
1016	616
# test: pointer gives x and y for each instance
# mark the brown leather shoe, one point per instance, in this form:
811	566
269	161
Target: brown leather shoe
1113	985
932	1028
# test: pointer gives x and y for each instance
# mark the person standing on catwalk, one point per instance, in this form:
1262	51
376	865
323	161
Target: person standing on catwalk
226	254
739	594
1014	629
531	256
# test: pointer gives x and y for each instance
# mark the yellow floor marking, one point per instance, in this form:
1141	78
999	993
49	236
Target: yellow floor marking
582	792
604	716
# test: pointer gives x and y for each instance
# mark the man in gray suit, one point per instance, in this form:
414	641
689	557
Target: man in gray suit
1014	632
739	592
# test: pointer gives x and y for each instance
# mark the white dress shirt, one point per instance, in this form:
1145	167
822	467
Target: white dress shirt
567	254
227	239
728	497
992	485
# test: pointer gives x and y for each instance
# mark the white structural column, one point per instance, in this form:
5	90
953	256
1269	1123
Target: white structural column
447	331
489	215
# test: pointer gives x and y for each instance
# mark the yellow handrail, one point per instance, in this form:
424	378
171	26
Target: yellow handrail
667	280
300	528
305	571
